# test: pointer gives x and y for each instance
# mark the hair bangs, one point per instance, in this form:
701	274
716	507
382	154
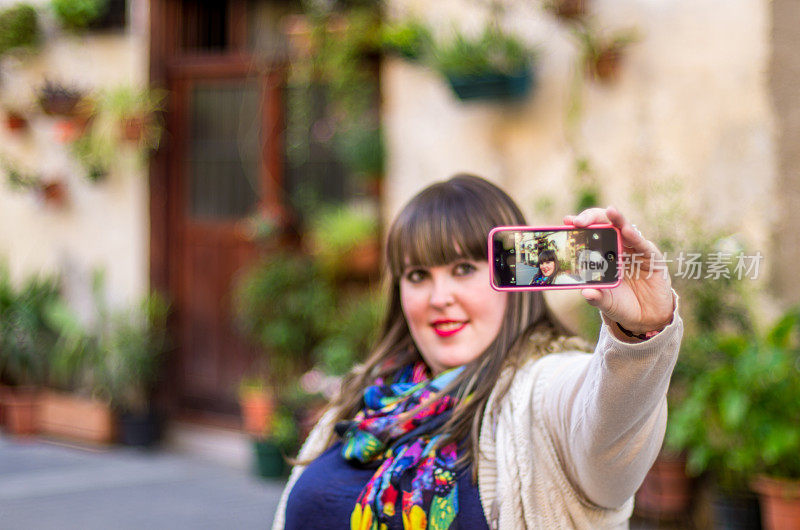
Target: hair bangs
439	226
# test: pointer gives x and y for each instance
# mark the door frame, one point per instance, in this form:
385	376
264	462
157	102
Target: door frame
167	66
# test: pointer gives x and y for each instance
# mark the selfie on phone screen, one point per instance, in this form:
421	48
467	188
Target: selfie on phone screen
527	257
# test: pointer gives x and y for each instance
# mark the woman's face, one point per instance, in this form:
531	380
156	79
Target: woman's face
547	267
452	312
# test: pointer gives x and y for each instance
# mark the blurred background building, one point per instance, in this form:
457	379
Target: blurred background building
188	147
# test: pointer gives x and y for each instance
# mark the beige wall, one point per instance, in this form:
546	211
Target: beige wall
105	224
691	110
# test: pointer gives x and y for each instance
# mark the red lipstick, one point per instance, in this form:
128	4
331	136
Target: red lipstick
446	328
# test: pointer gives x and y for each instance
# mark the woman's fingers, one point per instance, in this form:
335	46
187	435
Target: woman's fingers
631	236
587	217
599	298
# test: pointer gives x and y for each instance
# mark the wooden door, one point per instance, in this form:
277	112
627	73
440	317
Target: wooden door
225	166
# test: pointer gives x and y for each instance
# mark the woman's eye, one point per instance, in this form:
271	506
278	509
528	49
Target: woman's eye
462	269
415	275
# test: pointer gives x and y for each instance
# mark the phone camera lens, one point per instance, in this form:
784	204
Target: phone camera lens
611	256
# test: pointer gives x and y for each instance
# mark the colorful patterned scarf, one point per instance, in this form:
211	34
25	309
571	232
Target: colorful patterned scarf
414	485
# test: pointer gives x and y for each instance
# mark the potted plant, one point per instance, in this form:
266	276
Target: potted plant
770	420
282	304
492	66
344	241
257	403
26	341
57	99
706	426
134	342
53	192
278	440
409	39
15	121
567	9
136	113
96	150
78	15
602	56
74	405
19	28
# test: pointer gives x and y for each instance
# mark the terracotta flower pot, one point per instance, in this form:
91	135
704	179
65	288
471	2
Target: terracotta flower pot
780	502
607	65
54	193
257	409
133	129
570	9
70	129
20	410
76	417
666	491
15	122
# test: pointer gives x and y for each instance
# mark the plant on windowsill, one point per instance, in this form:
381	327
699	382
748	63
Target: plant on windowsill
491	66
77	15
19	28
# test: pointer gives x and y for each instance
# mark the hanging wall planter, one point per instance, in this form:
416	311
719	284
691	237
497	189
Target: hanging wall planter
15	122
59	100
568	9
492	86
493	66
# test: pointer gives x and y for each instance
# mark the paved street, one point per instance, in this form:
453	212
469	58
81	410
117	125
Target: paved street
44	485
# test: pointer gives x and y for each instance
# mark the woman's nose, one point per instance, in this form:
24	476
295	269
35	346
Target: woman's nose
441	293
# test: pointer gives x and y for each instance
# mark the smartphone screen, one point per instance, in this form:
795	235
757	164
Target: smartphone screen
535	258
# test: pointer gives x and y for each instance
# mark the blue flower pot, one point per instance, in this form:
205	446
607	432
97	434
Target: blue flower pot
493	87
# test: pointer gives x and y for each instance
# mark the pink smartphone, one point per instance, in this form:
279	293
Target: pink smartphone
535	258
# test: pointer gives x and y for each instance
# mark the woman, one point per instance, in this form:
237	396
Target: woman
475	410
549	270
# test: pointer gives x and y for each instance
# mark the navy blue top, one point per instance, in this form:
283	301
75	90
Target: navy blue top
326	492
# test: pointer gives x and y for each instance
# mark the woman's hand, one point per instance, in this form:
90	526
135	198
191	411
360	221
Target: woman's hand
640	304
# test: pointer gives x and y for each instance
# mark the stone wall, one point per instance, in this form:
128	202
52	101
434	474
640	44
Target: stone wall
102	225
686	131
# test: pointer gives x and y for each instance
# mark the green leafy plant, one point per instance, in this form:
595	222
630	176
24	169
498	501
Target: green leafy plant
350	332
740	415
134	342
283	303
410	39
76	357
26	338
78	15
137	111
492	52
19	28
336	232
282	431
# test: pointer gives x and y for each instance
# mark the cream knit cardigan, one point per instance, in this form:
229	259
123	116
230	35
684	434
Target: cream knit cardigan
571	441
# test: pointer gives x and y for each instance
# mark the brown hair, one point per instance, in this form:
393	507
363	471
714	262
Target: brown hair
447	221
